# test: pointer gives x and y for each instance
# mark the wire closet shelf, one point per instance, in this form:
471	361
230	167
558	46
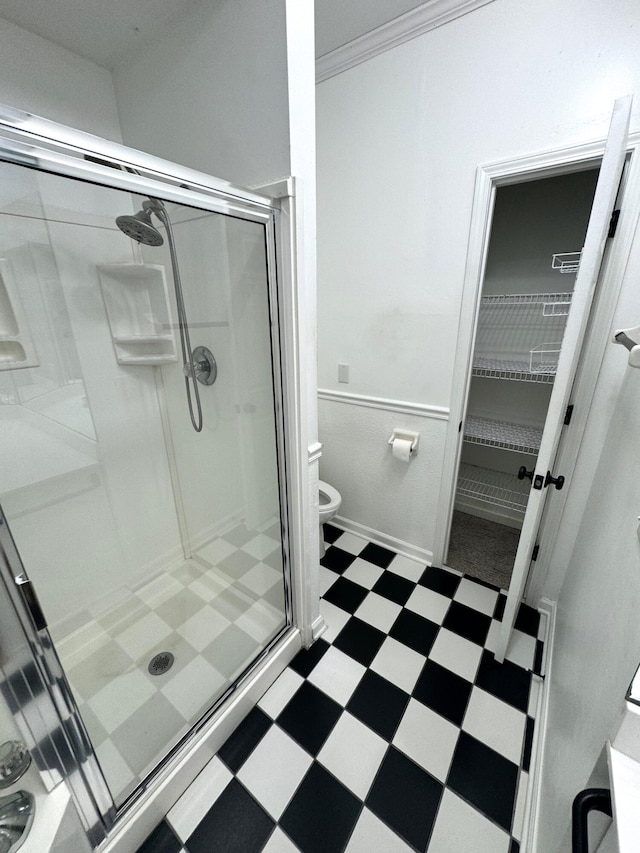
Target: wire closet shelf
506	436
519	336
493	487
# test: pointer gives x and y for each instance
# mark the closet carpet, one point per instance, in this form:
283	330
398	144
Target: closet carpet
482	548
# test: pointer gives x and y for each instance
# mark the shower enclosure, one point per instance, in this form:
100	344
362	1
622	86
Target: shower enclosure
152	523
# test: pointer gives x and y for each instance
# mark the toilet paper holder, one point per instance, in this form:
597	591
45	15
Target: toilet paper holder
406	435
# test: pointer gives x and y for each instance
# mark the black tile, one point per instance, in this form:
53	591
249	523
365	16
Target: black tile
377	555
379	704
467	622
506	680
309	717
485	779
346	594
321	816
440	580
161	840
235	823
528	744
537	659
498	613
414	631
515	846
528	620
239	746
394	587
406	798
336	559
443	691
360	640
331	533
306	659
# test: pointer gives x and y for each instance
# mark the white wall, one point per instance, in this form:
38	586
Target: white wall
42	78
212	93
399	140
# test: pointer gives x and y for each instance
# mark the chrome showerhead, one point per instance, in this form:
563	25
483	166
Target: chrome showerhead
139	227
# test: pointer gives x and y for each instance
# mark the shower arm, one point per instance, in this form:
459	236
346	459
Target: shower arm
191	369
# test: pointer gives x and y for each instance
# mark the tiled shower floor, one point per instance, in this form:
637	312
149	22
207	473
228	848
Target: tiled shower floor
397	731
213	613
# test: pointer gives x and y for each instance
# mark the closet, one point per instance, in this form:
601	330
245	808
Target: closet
537	232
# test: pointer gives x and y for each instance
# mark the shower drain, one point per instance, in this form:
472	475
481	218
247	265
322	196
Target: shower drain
160	663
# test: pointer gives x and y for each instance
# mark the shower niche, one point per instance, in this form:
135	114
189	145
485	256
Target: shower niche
537	231
137	305
16	345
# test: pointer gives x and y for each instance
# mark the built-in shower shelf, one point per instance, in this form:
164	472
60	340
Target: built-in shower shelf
493	487
137	304
507	436
514	370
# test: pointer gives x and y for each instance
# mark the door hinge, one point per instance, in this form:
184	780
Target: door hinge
568	415
535	552
613	224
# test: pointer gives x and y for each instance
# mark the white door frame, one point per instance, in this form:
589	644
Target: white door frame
488	178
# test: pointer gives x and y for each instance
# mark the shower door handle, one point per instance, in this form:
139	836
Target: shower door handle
31	602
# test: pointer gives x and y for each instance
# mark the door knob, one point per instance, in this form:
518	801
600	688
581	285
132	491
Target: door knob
558	482
522	473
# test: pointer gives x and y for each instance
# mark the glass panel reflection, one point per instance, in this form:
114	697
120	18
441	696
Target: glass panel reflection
156	550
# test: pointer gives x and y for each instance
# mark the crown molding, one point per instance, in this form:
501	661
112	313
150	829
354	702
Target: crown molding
424	18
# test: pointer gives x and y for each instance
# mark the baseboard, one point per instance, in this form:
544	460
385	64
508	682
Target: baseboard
529	842
318	627
398	545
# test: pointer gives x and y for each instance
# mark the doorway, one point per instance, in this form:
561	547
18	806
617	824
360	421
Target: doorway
537	232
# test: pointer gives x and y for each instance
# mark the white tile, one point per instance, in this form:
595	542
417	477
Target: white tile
261	578
261	621
337	675
197	685
209	586
476	596
116	770
271	788
495	723
372	836
279	843
216	551
428	603
353	753
326	579
378	611
491	643
459	827
407	568
351	544
427	738
335	617
202	628
118	700
522	649
140	638
521	801
398	664
196	801
280	692
260	546
456	653
363	572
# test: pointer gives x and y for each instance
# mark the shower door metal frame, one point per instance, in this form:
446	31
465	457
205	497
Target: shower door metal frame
37	143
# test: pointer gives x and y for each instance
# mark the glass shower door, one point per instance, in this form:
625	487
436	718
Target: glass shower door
157	550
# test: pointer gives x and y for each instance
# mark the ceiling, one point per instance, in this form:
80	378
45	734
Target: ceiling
104	31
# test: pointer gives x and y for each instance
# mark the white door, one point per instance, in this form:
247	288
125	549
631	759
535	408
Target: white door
590	262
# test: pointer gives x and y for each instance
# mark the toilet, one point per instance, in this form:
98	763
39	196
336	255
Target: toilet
330	500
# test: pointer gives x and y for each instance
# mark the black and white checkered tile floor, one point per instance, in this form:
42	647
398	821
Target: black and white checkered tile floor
397	731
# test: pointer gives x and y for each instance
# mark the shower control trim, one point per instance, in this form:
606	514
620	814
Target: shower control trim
205	369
